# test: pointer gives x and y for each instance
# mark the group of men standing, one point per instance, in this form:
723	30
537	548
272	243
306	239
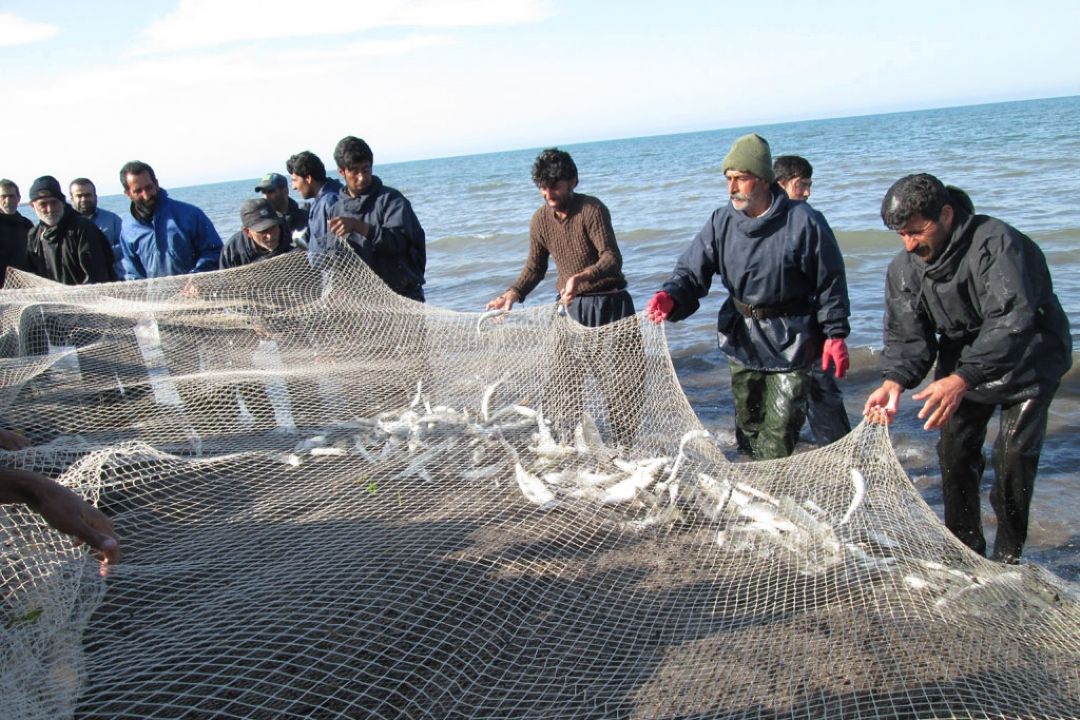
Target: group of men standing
969	296
160	236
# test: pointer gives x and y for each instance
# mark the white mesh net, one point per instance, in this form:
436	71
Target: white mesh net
336	503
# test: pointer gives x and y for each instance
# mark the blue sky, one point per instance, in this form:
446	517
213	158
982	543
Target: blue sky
215	90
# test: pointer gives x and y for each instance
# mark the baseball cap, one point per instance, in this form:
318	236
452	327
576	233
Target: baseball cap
258	215
270	181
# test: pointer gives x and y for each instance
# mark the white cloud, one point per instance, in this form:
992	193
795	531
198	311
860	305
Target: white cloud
15	30
204	23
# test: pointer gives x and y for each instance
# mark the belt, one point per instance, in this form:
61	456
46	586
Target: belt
765	312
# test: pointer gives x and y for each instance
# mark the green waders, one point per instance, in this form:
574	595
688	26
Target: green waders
770	409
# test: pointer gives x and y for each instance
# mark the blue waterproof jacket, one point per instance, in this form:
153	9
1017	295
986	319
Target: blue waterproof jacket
785	260
395	250
180	240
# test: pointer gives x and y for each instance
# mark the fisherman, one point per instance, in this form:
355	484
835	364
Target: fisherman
85	201
161	236
971	297
275	188
309	180
576	231
263	235
825	411
787	301
14	227
378	222
65	246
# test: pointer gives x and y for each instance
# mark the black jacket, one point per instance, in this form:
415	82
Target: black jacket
786	258
240	250
984	309
74	252
13	231
395	250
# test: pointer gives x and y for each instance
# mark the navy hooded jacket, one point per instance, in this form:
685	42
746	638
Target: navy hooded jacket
785	258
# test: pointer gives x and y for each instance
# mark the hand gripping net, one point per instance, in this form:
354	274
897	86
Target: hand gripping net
337	503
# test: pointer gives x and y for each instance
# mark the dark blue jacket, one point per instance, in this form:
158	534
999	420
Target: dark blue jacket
319	239
786	258
984	309
395	250
180	240
241	250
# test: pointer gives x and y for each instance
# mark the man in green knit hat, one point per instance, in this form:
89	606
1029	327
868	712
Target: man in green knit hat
787	300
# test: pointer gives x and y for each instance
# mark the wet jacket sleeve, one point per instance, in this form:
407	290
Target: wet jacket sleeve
832	294
1008	297
694	271
910	338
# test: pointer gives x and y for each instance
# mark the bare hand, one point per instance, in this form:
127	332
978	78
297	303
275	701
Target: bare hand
882	404
503	302
342	226
566	295
942	398
67	512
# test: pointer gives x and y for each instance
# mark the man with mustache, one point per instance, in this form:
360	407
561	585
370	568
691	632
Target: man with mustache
85	201
787	303
162	236
971	297
64	246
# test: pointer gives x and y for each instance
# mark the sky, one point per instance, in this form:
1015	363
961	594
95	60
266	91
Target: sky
217	90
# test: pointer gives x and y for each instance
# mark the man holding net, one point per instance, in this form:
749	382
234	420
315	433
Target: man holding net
575	230
971	297
787	302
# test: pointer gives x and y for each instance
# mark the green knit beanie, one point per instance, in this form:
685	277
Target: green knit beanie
751	154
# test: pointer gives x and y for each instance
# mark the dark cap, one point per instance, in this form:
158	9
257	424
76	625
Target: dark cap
258	215
270	181
44	187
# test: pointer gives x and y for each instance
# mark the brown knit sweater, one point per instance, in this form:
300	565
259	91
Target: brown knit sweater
583	242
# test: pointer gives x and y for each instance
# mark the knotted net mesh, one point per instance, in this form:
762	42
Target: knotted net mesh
337	503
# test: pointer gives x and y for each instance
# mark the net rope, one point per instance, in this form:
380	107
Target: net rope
338	503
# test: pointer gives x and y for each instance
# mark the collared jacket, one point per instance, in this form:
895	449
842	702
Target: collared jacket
395	248
73	252
13	232
788	259
180	239
241	250
984	309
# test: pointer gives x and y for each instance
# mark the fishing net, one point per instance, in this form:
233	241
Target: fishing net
337	503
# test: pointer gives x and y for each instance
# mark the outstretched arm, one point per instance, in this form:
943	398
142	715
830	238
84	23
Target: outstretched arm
61	508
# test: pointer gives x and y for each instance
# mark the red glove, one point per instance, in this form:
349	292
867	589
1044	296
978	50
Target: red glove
659	307
835	349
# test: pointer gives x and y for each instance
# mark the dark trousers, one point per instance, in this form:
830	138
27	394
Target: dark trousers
770	408
1015	460
825	411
